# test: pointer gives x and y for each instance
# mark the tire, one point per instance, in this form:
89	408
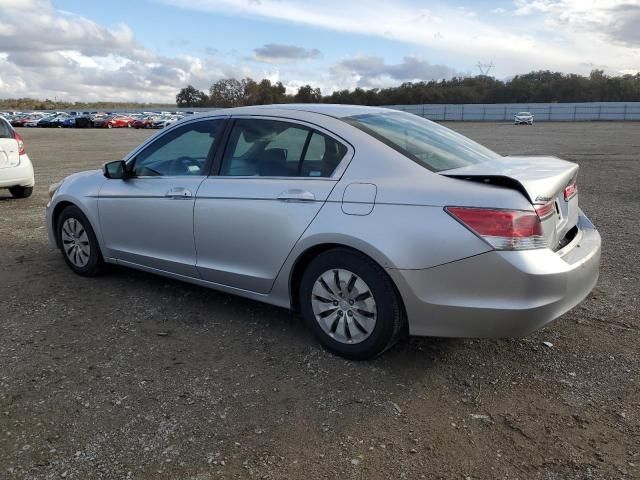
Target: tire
372	335
21	192
85	258
109	125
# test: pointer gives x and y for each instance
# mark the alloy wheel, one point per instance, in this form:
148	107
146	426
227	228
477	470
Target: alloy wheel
344	306
75	242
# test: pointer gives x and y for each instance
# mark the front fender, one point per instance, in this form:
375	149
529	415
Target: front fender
82	190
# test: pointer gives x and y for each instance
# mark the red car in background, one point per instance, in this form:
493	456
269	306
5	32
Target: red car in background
22	119
146	122
115	121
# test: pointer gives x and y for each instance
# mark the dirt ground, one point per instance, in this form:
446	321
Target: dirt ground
130	375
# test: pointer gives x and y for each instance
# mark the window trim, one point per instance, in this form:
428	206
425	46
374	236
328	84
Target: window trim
337	172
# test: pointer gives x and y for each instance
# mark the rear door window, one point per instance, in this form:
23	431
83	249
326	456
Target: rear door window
275	148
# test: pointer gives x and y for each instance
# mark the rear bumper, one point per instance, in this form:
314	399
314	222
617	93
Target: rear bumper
500	293
21	176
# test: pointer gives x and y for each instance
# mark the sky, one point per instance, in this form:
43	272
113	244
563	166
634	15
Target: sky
146	50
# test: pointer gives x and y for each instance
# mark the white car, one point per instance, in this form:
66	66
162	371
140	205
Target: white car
523	118
165	121
31	119
16	170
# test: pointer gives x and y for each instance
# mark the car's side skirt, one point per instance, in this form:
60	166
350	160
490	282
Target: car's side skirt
266	298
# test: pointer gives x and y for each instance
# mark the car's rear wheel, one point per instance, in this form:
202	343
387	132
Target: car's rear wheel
350	304
21	192
78	243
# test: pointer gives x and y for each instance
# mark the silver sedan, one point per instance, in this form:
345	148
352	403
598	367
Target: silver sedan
370	222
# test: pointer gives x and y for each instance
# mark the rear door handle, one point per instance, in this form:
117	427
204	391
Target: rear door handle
179	193
296	195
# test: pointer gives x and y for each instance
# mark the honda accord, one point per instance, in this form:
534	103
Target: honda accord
372	223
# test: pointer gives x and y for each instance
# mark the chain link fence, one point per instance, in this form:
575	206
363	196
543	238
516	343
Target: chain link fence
559	112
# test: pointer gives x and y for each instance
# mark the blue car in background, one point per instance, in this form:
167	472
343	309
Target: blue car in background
58	121
45	121
69	122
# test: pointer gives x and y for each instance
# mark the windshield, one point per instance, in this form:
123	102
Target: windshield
425	142
524	114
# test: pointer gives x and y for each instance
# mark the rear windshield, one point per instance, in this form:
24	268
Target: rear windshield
5	129
423	141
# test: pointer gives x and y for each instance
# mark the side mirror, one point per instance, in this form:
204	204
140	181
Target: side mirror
116	170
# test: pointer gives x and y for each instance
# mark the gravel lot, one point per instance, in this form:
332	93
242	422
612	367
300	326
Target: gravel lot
130	375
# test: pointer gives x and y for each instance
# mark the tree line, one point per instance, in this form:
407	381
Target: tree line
541	86
28	104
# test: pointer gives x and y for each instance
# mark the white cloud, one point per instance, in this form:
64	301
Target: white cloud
367	71
560	34
46	52
529	7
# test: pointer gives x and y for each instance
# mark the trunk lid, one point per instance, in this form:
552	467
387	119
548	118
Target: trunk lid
9	149
541	179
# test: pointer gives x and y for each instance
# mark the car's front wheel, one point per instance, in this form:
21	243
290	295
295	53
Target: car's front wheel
350	304
78	243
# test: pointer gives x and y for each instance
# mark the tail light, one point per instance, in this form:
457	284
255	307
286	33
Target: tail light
546	210
502	229
571	190
18	138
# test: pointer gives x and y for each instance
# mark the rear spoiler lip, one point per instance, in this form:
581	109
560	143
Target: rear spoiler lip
495	180
538	178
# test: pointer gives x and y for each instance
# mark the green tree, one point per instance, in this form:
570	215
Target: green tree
308	94
191	97
227	92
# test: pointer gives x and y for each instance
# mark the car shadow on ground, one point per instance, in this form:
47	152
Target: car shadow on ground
4	197
207	306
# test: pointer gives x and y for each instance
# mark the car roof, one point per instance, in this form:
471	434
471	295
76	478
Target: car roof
332	110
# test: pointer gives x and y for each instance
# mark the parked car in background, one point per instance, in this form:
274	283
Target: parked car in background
46	121
370	222
69	122
83	121
523	118
19	120
144	122
32	121
165	121
58	121
114	121
16	170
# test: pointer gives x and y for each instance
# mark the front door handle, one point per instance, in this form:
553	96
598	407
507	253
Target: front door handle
179	193
296	195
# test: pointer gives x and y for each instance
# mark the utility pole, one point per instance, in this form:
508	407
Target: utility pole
485	68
